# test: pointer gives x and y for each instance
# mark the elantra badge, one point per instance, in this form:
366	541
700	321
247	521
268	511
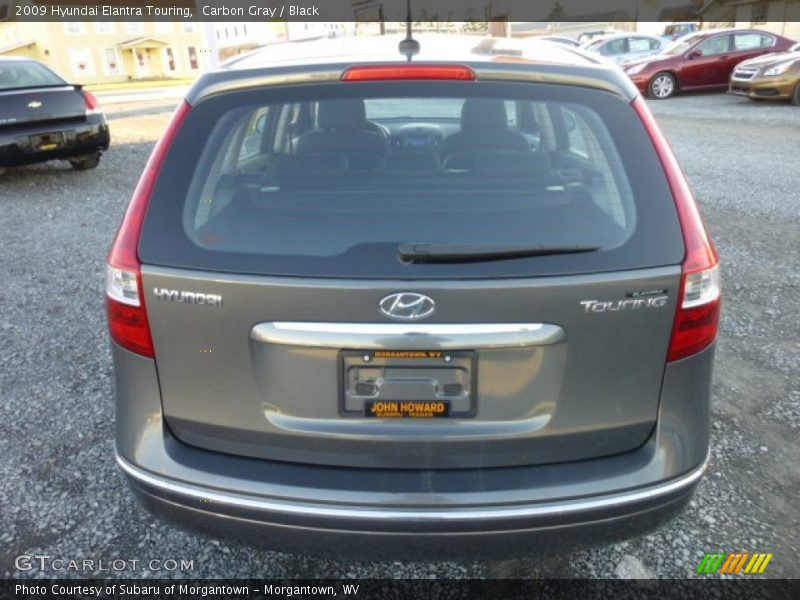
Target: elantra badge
407	306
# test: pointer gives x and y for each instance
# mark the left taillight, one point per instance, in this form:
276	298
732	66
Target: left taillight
92	103
127	313
127	316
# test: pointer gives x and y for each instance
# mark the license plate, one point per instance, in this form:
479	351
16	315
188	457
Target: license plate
44	142
407	384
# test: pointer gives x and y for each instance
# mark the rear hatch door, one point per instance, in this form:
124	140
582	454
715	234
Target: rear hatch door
287	325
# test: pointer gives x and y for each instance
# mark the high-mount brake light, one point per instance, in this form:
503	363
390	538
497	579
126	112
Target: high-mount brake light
92	103
697	316
127	314
407	71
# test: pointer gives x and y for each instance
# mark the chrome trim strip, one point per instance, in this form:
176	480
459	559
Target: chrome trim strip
443	514
405	336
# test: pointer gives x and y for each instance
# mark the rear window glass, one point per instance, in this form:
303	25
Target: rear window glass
24	74
332	180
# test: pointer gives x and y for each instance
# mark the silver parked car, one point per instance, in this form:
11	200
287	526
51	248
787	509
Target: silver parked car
560	39
457	306
623	47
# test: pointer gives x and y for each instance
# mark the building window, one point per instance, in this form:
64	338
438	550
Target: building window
74	28
134	27
104	28
169	60
758	12
244	29
188	28
111	62
81	62
193	57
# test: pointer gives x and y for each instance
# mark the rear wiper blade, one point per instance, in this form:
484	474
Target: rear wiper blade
424	252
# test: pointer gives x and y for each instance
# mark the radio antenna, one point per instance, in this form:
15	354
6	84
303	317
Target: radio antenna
409	46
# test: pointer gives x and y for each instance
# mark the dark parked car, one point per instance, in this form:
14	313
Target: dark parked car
701	61
42	118
678	30
460	306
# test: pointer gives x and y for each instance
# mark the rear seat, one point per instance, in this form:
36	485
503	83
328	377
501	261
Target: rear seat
410	163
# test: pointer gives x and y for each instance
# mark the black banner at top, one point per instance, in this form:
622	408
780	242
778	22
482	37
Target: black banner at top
552	11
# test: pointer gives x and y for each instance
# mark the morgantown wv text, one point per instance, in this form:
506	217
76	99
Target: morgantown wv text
197	591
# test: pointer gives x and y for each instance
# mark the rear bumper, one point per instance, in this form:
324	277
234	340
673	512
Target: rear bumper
405	513
78	139
371	533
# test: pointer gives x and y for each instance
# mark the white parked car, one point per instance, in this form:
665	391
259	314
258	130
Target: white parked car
623	47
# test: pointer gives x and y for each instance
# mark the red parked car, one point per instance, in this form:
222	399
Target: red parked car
701	61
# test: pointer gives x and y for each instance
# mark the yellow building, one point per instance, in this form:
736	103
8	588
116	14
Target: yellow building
99	52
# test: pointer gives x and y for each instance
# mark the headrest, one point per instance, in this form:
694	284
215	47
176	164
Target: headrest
483	114
341	114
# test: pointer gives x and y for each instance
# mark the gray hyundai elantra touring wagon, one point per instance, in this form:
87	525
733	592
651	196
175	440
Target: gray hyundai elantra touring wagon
451	306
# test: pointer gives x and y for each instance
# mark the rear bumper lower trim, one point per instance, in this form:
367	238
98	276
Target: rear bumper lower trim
221	500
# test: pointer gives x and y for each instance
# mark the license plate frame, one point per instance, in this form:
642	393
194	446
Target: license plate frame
463	363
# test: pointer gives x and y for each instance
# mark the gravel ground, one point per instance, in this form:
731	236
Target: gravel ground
61	494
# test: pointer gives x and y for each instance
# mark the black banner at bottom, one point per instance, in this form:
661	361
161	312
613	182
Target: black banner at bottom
389	589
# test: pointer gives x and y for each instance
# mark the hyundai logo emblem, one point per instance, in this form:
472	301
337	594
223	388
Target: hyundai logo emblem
407	306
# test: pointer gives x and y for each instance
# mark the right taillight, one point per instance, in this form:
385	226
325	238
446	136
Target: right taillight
127	314
92	104
697	315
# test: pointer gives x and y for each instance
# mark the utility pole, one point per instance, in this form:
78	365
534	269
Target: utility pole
210	34
498	28
498	24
